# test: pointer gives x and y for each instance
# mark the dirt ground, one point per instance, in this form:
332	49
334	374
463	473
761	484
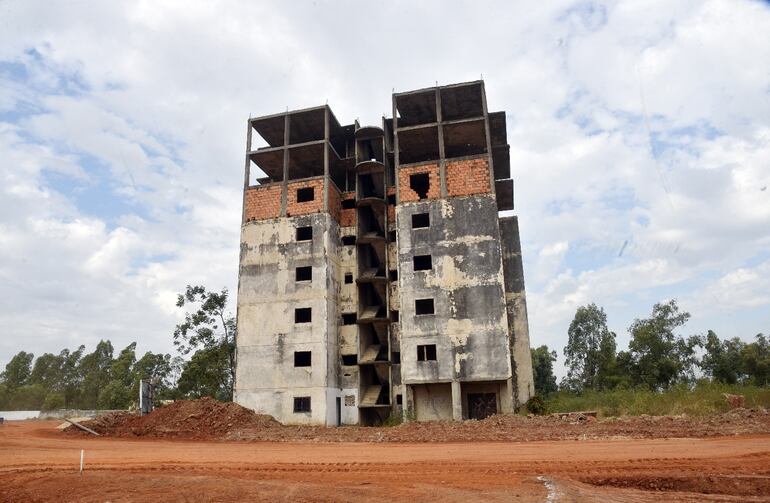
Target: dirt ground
40	463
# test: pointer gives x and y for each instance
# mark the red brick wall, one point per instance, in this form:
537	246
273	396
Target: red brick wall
335	208
348	217
467	177
406	194
263	202
294	208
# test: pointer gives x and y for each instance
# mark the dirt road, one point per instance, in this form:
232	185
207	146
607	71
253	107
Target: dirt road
38	463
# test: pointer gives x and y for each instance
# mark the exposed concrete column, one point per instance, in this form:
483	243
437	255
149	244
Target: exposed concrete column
285	183
457	401
441	152
409	403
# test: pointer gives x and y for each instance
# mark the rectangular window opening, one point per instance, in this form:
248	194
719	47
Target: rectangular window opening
301	404
348	278
420	183
420	220
303	315
303	274
423	306
391	199
304	233
422	263
391	236
349	360
302	358
305	194
393	275
426	352
349	318
399	399
348	204
394	316
395	356
348	240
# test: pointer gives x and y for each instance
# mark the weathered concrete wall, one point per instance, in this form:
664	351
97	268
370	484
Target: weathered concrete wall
470	325
432	402
516	303
266	379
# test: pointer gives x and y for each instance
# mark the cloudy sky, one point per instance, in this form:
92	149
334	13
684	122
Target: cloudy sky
639	132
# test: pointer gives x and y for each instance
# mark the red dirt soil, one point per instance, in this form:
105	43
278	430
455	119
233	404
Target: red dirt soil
208	419
39	463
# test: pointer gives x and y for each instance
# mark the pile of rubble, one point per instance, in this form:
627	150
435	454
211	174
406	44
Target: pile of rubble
205	418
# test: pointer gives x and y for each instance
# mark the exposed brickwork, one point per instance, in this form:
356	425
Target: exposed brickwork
294	208
263	202
391	207
348	217
467	177
335	208
406	194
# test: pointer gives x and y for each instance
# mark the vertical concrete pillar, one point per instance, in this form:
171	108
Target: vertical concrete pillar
457	401
409	412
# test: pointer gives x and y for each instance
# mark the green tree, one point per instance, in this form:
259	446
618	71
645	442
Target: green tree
158	368
542	370
17	371
659	357
755	361
117	394
71	378
590	350
94	369
209	330
207	374
722	360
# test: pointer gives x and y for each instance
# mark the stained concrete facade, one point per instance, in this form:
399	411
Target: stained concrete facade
376	276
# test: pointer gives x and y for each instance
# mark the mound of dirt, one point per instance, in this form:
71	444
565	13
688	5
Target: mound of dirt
209	419
205	418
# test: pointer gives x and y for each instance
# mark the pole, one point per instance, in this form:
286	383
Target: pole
82	454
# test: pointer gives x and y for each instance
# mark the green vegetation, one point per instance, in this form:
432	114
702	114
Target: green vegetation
701	400
101	380
660	373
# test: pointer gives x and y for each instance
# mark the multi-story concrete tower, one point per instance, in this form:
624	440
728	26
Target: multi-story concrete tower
376	276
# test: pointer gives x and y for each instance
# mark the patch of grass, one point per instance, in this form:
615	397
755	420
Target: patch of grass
702	400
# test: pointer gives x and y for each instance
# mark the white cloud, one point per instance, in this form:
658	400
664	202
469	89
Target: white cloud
635	126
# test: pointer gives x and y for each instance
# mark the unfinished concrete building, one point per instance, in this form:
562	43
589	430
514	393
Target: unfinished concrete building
376	277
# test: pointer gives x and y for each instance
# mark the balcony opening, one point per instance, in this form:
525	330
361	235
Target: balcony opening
420	183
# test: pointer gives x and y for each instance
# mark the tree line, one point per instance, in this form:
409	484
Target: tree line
74	379
657	358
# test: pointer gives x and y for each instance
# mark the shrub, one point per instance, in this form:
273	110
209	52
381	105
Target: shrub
536	405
